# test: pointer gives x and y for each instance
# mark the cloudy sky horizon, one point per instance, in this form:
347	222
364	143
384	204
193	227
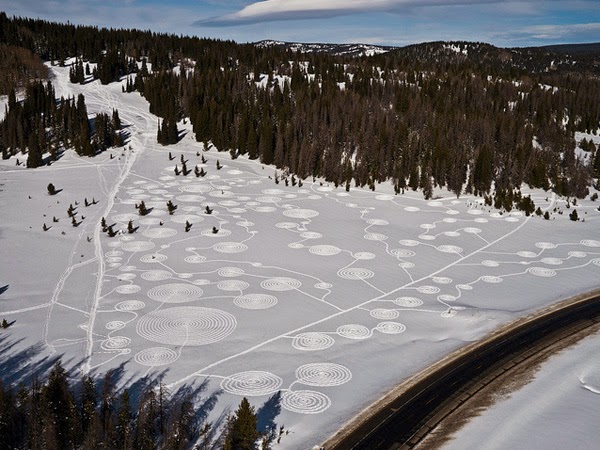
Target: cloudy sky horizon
503	23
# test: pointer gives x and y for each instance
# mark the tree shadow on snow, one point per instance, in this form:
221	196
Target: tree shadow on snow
267	414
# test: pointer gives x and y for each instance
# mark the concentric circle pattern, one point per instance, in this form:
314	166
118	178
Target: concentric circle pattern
130	305
541	272
153	258
305	402
491	279
255	301
408	302
156	356
323	374
194	259
252	383
138	246
428	290
128	289
300	213
355	273
175	293
354	331
230	247
186	325
232	285
156	275
159	233
115	343
390	327
363	256
230	272
384	314
313	341
324	250
280	284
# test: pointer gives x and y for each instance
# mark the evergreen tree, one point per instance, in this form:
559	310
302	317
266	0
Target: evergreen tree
242	433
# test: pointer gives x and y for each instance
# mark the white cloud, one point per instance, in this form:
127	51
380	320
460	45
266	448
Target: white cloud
270	10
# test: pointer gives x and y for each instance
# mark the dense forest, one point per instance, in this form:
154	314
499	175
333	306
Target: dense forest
57	414
464	116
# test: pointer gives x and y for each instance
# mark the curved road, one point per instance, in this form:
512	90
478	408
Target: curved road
402	418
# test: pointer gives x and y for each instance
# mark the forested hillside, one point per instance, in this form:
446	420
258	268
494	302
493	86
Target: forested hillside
464	116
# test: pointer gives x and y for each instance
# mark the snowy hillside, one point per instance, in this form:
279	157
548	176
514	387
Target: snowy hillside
330	297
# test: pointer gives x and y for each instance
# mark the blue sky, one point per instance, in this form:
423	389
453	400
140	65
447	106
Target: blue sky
390	22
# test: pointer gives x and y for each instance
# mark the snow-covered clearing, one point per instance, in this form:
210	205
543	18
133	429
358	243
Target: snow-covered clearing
330	297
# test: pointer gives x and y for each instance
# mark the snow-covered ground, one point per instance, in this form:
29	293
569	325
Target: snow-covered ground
330	297
559	409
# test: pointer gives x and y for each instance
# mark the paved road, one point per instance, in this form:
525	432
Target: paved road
404	417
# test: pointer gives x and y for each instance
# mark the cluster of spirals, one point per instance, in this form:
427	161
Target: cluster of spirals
252	383
323	374
186	325
255	301
312	341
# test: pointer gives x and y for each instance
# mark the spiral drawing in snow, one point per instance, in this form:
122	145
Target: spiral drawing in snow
128	289
390	327
115	343
300	213
355	273
305	401
186	325
175	293
408	302
159	233
255	301
156	356
353	331
130	305
541	272
156	275
323	374
138	246
230	247
230	272
384	314
232	285
252	383
280	284
324	250
153	258
312	341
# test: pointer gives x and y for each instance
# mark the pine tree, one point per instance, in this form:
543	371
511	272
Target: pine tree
242	433
51	189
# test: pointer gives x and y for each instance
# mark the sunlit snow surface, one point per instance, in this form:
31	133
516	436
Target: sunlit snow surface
330	297
559	409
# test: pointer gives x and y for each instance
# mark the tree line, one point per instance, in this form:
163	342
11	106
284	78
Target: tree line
55	414
463	116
